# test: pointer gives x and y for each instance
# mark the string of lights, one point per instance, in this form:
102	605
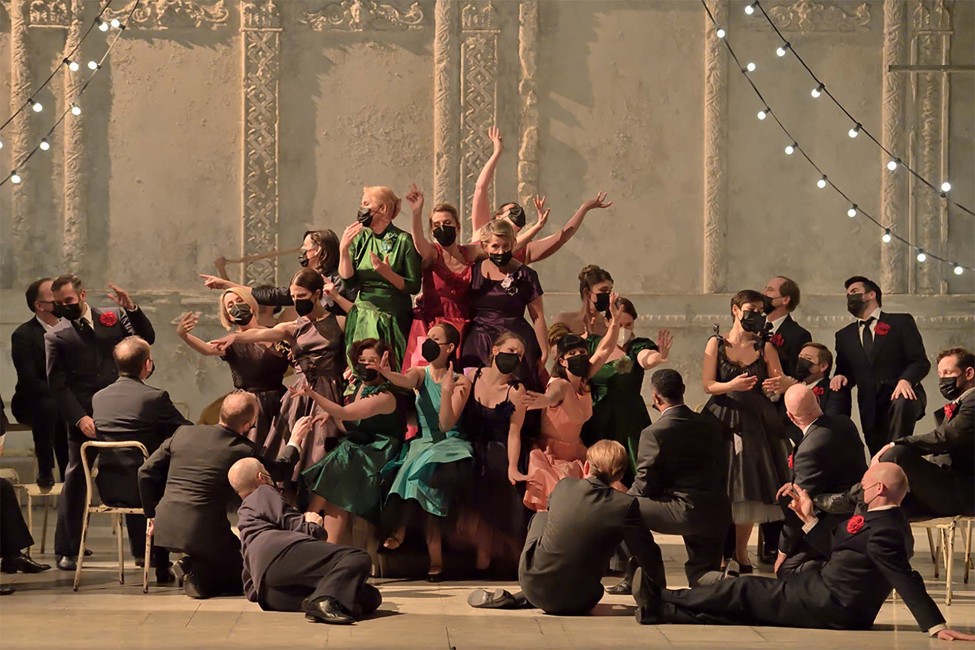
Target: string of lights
793	147
894	162
73	108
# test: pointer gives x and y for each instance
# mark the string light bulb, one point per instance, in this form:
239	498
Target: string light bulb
15	177
958	269
893	163
946	187
821	183
75	110
782	49
921	257
750	9
791	148
886	236
855	131
852	212
116	23
93	65
762	114
44	145
102	25
72	65
1	144
817	91
750	67
720	32
37	106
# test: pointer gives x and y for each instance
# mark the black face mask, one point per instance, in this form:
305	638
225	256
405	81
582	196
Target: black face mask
430	350
602	301
854	304
500	259
516	214
949	387
752	321
69	312
240	313
506	362
803	370
153	368
304	306
445	235
303	259
364	216
578	365
365	373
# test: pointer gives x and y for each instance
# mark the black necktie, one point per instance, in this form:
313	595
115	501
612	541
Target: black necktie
867	336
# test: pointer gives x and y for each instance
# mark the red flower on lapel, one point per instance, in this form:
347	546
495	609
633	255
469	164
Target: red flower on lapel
881	329
108	319
950	409
854	525
792	460
819	391
778	340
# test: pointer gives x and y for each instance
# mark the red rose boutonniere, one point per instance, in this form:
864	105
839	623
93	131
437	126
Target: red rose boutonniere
819	391
108	319
854	525
778	340
881	329
792	460
950	409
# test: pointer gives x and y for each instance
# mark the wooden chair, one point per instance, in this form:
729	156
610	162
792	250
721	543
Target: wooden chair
943	549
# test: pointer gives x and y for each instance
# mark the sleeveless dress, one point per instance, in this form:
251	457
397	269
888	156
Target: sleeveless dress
444	298
758	447
432	469
259	369
559	451
319	356
349	476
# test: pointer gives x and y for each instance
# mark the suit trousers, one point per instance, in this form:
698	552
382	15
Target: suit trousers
802	600
216	563
935	490
538	592
71	503
315	570
14	535
50	433
894	419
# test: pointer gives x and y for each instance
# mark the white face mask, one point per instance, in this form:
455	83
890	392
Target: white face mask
625	336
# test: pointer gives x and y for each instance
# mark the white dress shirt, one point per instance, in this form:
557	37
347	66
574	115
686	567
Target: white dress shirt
777	323
47	328
873	325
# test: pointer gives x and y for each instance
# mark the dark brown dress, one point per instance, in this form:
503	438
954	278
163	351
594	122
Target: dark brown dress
259	369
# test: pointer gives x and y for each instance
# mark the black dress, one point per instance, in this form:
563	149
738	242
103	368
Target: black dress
259	369
758	447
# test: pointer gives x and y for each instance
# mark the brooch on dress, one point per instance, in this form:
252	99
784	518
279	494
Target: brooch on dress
508	284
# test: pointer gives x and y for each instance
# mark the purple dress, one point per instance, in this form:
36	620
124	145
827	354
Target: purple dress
498	307
259	369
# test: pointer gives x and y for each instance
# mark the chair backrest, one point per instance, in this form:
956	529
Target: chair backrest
126	444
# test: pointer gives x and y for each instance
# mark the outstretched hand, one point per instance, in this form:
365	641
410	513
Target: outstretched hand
495	134
542	211
415	198
121	297
598	202
186	323
214	282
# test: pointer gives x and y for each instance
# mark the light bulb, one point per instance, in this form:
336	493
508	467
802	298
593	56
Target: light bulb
892	165
958	269
72	65
817	91
854	132
116	23
921	257
45	145
102	25
790	148
37	106
720	32
821	183
762	114
750	67
886	237
781	50
15	177
75	110
750	9
852	212
946	187
93	65
1	144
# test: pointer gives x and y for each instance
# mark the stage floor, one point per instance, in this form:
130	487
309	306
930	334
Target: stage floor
45	613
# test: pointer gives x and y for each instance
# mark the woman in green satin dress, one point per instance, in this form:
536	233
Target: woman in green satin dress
347	481
380	260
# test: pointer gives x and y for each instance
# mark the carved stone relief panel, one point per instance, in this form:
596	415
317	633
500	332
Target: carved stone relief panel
363	15
50	13
810	16
478	91
173	14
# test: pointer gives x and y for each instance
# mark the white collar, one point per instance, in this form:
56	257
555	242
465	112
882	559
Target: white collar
87	315
778	323
47	328
669	408
879	508
806	428
962	396
875	316
814	383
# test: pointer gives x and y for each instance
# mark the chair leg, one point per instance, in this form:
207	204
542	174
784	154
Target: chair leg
145	567
968	549
119	544
30	518
949	560
81	551
934	553
47	510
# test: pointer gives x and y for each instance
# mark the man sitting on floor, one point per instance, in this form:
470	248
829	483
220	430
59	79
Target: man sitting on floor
569	546
288	565
870	556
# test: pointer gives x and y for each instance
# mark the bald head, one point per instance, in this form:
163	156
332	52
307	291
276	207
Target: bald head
245	476
132	357
238	411
884	484
802	405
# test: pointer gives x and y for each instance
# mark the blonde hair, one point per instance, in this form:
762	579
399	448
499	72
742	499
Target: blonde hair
500	228
448	209
386	196
225	320
607	460
503	338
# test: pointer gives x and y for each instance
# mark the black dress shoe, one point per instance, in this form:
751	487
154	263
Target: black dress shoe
496	599
6	591
327	610
647	597
623	588
182	568
23	564
367	601
191	587
165	577
66	563
88	552
45	481
768	557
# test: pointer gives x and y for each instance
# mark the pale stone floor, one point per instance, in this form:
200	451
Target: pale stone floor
45	613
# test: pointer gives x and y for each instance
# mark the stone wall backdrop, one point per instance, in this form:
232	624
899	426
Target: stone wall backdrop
225	127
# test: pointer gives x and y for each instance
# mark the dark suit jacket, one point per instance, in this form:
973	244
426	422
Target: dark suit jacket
184	483
269	526
834	402
956	437
794	337
864	566
830	457
130	410
79	364
562	570
898	354
32	392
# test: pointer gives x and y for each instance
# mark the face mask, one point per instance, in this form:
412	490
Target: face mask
752	321
578	365
506	362
240	313
625	336
803	369
304	306
949	387
430	350
445	235
153	369
364	373
500	259
854	304
303	259
516	214
602	301
364	216
69	312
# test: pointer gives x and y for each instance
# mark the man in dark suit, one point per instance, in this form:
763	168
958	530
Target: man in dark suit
813	369
185	494
288	564
569	546
33	403
129	410
870	556
829	458
883	356
79	364
680	482
943	491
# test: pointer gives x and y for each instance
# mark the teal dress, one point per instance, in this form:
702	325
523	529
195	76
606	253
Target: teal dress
618	410
381	311
349	476
435	462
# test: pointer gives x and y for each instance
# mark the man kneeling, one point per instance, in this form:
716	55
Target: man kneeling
288	565
569	546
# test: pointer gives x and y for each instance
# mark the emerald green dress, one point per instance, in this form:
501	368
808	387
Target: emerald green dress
618	410
381	311
349	476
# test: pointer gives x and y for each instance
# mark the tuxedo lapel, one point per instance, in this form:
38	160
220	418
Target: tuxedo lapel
855	343
879	341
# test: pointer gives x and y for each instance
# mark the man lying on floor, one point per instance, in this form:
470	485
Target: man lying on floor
870	555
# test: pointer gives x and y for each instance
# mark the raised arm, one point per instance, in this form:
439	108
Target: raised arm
608	343
480	210
360	409
186	324
426	250
454	391
346	265
544	248
553	395
412	379
652	358
529	233
280	332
